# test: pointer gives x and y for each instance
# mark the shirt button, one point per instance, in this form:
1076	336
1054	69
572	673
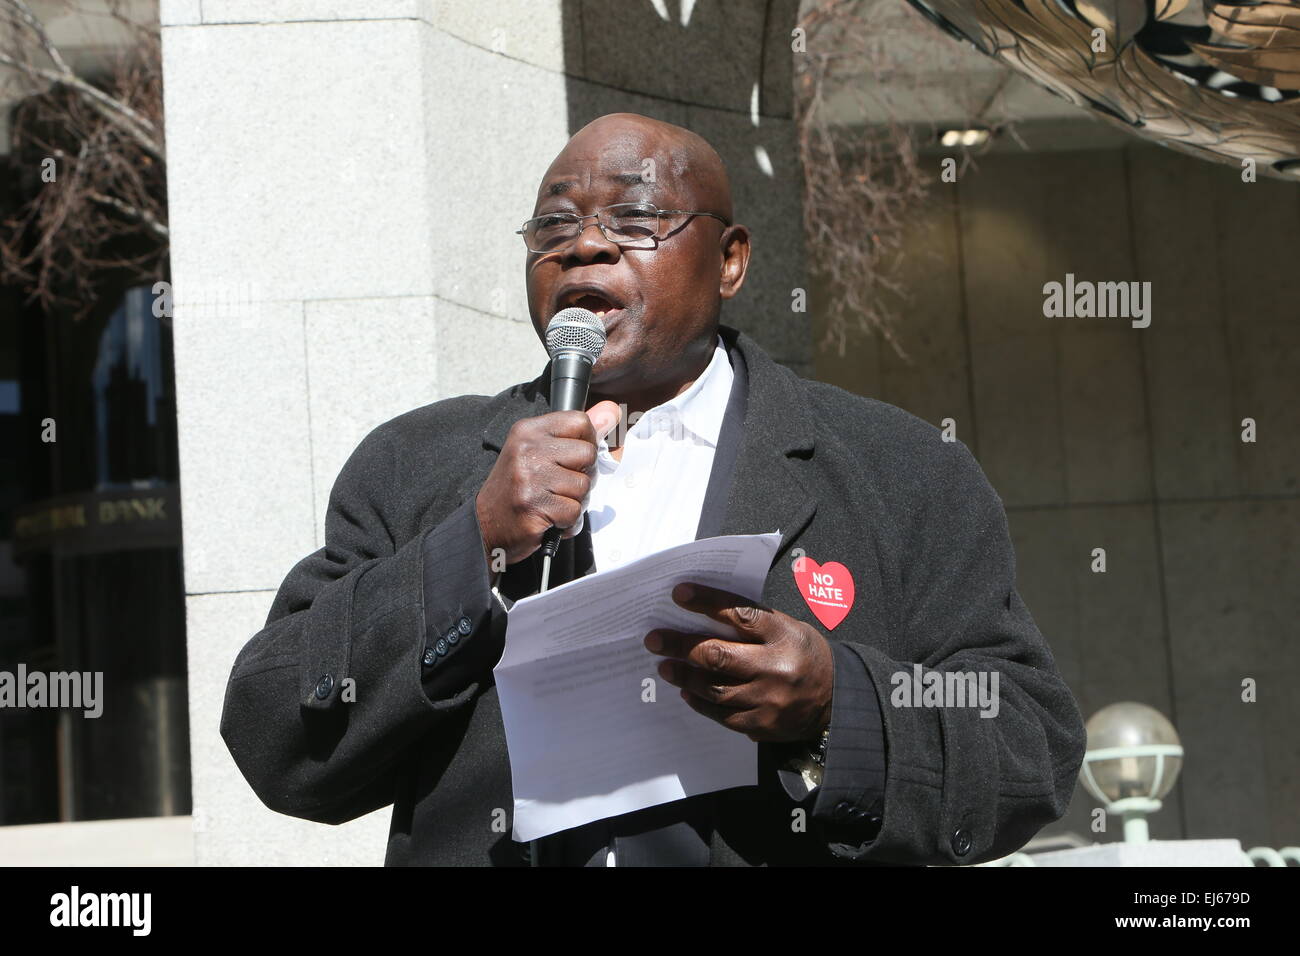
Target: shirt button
961	842
630	481
464	625
615	555
430	655
324	686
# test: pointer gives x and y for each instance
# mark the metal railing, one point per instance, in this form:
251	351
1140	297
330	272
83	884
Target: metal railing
1255	856
1267	856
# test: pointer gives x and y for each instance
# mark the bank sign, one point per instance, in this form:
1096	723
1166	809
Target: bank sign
126	519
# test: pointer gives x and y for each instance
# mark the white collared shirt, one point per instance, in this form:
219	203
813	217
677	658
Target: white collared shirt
652	498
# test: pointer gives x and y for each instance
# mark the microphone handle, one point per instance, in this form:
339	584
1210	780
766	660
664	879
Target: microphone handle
551	541
570	378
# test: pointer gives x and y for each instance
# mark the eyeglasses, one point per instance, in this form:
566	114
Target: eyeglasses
628	224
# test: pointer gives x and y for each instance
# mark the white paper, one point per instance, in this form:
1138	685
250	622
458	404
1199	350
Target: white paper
584	744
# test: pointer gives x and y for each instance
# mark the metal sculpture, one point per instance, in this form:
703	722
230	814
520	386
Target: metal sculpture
1217	80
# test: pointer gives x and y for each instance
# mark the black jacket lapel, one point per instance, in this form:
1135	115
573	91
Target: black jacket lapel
759	468
714	510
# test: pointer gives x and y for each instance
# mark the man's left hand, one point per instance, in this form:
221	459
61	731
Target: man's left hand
772	682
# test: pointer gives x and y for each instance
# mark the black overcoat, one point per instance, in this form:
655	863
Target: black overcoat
371	682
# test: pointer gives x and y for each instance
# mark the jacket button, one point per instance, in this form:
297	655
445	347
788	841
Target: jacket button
961	842
441	647
324	686
430	655
843	810
464	625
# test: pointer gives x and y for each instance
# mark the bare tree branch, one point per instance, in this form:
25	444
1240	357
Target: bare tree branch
131	121
863	181
89	150
158	228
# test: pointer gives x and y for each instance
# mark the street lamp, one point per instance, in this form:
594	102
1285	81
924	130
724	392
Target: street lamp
1132	761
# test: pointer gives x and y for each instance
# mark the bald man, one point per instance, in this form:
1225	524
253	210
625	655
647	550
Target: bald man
371	683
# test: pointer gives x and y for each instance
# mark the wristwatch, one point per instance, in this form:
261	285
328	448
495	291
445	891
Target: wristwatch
811	762
818	753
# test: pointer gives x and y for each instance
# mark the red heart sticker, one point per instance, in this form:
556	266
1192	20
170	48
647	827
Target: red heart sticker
828	589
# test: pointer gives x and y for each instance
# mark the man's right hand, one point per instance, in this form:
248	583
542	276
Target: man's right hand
540	479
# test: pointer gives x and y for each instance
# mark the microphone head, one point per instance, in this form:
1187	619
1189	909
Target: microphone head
575	330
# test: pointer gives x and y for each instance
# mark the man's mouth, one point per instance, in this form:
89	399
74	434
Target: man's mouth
604	308
596	304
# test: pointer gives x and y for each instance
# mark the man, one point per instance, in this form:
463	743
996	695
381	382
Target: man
371	683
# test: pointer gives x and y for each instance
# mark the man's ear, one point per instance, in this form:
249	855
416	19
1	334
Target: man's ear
734	242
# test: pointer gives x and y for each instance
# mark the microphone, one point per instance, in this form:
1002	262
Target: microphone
574	339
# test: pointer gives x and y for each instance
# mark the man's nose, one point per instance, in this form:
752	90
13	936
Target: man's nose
590	245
